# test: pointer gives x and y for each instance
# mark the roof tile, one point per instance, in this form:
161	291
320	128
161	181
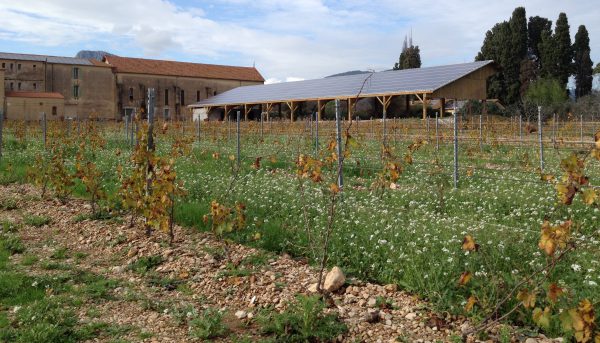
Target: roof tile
185	69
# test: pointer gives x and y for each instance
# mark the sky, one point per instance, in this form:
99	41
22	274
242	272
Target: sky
285	40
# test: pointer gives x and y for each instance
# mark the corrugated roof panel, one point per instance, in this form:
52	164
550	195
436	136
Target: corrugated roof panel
43	58
387	82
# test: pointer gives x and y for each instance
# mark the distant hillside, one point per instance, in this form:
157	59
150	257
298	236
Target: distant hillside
352	72
89	54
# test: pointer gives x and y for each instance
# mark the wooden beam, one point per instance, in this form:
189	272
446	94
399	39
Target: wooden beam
226	114
418	97
292	107
424	105
320	108
246	111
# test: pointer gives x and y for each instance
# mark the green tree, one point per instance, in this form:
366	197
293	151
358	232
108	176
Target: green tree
410	57
506	43
518	53
548	55
534	32
583	63
564	50
546	92
597	69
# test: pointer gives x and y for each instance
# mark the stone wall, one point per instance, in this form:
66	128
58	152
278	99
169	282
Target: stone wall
131	92
21	108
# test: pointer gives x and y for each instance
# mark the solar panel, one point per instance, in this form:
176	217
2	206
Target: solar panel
43	58
408	81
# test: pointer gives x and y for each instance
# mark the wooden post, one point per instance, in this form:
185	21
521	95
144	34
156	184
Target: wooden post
442	107
424	106
350	109
292	108
246	110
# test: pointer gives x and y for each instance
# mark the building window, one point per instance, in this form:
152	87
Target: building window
3	65
11	66
182	98
76	91
12	86
34	67
208	92
165	113
131	94
34	86
214	93
19	66
166	97
54	110
76	73
197	95
19	86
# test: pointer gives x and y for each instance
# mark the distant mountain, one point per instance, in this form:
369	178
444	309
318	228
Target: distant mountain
352	72
89	54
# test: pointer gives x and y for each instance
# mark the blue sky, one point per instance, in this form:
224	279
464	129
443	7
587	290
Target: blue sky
287	40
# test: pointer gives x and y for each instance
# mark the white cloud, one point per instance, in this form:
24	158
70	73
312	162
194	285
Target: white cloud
306	39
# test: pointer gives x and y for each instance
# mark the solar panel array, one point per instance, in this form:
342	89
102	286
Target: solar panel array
408	81
43	58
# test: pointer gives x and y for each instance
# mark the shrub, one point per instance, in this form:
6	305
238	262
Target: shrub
209	325
37	221
303	321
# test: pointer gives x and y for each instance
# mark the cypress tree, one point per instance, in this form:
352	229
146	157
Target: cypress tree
410	57
583	63
564	50
534	33
548	56
515	53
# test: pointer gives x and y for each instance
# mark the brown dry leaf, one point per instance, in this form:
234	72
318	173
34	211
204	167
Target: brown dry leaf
464	279
469	243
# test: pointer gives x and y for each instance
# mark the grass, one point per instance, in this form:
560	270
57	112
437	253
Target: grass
208	325
9	225
410	236
36	221
145	264
8	204
302	321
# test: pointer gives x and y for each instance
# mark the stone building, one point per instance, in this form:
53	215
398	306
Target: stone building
87	85
30	105
116	86
177	84
2	90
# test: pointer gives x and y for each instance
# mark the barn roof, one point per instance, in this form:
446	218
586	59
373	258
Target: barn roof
393	82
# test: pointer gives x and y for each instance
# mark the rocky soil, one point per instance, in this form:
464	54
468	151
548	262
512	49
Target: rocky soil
201	276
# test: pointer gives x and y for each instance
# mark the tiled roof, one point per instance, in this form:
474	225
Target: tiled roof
43	95
185	69
44	58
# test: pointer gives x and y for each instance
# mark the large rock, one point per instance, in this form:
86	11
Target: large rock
334	280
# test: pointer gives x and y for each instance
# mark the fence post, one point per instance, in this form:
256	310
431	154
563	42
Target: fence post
437	137
455	173
1	128
238	140
262	114
554	130
127	128
151	104
520	128
338	134
540	138
198	123
316	133
384	128
481	132
372	129
581	129
228	128
44	126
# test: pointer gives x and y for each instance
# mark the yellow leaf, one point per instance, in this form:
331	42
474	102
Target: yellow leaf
470	303
465	277
469	243
527	298
542	318
334	188
589	196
